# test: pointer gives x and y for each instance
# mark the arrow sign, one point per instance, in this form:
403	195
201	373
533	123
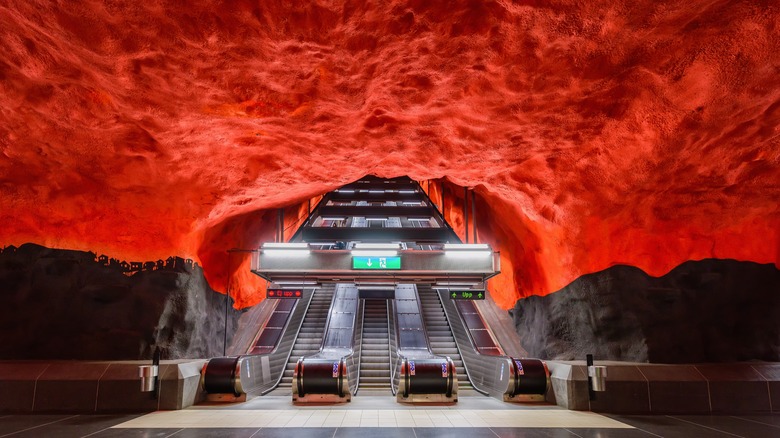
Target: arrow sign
467	294
378	263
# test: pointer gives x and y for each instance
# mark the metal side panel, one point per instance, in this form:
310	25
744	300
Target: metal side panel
247	332
489	374
258	374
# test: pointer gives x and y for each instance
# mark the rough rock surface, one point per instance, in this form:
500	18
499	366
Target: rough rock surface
703	311
57	304
595	133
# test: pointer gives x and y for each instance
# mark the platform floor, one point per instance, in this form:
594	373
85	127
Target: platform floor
380	417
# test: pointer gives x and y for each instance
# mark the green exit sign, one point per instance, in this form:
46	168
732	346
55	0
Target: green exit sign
376	262
467	294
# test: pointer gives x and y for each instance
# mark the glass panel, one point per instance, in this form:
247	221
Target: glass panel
482	338
472	320
277	319
268	338
285	305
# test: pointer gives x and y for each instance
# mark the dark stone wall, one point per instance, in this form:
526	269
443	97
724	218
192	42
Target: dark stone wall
60	304
702	311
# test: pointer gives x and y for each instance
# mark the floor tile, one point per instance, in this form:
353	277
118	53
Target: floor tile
15	423
516	432
454	432
666	427
287	432
77	426
379	432
136	433
731	425
216	433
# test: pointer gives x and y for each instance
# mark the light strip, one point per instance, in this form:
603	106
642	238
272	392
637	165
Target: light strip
455	284
295	282
467	254
287	252
334	218
286	245
419	219
345	191
376	191
361	245
406	192
465	246
374	253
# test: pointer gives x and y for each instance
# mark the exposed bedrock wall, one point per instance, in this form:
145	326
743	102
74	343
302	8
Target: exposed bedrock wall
59	304
701	311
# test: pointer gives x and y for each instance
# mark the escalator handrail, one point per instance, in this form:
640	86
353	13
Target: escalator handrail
357	339
392	345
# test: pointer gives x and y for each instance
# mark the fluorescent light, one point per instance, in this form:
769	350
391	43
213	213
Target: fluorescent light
361	245
376	218
376	191
420	219
407	191
467	254
281	282
287	252
465	246
387	287
412	203
374	253
286	245
345	191
450	284
334	218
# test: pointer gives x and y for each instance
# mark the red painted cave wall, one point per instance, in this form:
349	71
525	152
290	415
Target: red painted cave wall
593	133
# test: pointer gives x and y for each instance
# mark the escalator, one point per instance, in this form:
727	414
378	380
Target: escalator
375	350
310	335
440	335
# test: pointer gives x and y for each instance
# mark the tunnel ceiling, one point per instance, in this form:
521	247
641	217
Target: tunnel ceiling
594	133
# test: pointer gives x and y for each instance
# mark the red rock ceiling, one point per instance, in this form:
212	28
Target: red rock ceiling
595	133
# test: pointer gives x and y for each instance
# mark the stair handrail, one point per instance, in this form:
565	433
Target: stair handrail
353	369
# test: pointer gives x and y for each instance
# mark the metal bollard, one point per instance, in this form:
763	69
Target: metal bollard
148	375
598	377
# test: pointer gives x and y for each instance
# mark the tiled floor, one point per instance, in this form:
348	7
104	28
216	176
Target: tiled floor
380	417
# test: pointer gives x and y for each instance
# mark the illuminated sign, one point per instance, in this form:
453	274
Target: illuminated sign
376	262
467	294
284	293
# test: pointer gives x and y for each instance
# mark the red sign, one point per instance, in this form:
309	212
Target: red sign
284	293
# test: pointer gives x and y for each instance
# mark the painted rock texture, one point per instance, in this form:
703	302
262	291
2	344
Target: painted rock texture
704	311
594	133
58	304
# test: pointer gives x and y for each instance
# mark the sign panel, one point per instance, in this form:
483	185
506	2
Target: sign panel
376	262
284	293
467	294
